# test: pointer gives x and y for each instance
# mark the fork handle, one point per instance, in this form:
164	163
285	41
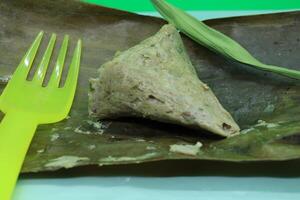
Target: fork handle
16	133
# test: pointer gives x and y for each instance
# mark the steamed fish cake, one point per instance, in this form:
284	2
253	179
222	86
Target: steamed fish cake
156	80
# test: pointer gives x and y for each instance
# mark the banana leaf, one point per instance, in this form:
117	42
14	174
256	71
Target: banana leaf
266	106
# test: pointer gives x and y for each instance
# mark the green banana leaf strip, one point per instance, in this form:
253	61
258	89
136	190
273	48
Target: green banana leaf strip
214	39
265	105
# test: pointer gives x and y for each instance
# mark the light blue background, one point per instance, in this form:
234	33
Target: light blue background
214	181
175	188
176	180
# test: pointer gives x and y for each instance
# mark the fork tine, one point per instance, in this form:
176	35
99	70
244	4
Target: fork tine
42	68
56	74
72	77
26	63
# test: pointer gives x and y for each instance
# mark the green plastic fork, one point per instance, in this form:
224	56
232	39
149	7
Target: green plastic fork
26	104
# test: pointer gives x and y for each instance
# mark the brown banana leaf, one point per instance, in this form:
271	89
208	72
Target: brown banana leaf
248	94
